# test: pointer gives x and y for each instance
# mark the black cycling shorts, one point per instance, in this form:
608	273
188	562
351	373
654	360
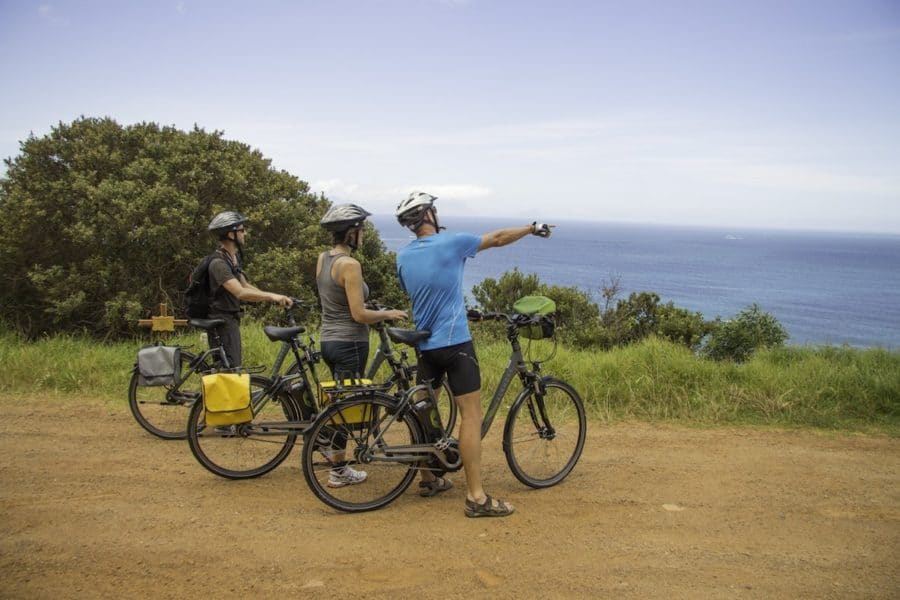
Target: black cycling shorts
458	363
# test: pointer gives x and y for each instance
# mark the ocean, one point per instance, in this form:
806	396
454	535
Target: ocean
823	287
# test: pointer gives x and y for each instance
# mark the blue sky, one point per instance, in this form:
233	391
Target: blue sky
741	114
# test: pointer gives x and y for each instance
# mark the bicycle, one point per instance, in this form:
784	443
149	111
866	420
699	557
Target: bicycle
389	437
284	406
163	410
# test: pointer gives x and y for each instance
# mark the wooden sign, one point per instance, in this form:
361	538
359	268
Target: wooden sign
163	322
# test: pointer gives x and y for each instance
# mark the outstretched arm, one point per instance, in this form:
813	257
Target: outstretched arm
502	237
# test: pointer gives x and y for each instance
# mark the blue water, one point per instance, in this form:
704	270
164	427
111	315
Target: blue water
824	287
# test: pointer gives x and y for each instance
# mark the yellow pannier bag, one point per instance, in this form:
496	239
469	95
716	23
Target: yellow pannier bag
226	398
332	391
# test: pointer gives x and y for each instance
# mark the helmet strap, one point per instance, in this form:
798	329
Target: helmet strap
352	238
434	218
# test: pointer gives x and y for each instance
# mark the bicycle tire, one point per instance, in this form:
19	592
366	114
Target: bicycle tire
163	414
385	480
544	434
232	452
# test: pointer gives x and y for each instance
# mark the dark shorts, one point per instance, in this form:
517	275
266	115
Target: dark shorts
458	363
346	360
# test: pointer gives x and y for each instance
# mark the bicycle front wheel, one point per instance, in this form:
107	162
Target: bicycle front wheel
248	450
363	433
163	410
544	434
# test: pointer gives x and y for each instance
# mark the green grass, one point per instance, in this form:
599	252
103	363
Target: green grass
836	388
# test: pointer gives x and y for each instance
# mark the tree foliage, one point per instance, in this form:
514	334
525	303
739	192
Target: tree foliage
576	314
584	324
736	339
103	222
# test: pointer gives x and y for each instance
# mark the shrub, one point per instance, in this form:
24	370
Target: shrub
736	339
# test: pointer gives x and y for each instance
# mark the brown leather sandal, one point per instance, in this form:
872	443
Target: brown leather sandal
487	509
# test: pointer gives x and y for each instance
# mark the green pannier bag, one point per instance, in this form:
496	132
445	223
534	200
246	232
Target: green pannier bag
542	309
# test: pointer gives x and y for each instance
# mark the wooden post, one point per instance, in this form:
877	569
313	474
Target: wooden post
162	323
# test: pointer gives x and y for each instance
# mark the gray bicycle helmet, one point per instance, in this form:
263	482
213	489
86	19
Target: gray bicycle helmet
344	216
226	221
411	211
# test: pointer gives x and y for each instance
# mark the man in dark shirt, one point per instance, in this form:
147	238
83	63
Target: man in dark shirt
228	285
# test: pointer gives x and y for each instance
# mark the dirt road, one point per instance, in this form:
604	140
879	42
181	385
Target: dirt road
90	506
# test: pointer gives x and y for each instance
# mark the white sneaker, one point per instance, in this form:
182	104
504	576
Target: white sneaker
346	476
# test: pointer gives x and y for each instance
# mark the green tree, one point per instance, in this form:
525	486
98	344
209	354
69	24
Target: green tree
102	222
642	315
738	338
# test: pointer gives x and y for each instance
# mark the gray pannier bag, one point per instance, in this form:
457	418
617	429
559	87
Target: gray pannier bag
159	365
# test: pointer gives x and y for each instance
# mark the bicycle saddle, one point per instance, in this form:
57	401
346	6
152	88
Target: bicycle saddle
282	334
410	337
206	323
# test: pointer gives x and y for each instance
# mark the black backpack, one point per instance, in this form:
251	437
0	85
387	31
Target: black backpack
197	296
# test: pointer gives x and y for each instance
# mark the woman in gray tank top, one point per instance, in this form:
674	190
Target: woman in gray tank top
344	334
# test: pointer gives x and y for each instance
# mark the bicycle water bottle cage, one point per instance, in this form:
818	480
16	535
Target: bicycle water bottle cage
409	337
282	334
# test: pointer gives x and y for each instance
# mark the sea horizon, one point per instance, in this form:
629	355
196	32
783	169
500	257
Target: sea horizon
824	286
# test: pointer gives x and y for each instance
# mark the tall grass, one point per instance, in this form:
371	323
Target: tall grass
826	387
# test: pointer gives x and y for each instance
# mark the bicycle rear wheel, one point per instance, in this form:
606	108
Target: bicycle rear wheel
365	427
544	434
248	450
161	410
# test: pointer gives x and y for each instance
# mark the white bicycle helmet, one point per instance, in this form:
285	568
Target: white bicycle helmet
411	211
344	216
226	221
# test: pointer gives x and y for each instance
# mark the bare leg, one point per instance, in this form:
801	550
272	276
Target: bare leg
470	445
470	442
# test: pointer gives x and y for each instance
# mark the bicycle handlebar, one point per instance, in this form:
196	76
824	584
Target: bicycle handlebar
473	314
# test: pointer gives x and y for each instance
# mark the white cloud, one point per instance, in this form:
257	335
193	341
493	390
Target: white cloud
382	199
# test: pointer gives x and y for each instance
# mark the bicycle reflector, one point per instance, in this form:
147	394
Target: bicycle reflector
541	309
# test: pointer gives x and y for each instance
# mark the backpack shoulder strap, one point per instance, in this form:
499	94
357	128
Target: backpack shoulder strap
235	269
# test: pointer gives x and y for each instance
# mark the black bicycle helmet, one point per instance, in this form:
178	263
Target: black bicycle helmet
226	221
341	217
411	211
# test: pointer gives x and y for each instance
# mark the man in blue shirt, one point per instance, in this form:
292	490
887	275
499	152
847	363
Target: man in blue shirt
431	273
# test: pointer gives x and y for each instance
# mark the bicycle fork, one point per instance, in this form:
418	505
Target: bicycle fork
537	410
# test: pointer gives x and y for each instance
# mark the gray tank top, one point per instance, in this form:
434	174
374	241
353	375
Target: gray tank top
337	323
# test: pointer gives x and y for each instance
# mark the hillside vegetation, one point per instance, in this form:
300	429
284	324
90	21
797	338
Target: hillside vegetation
654	380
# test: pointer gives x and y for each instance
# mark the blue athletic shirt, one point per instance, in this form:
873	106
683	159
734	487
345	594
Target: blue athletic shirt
431	273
